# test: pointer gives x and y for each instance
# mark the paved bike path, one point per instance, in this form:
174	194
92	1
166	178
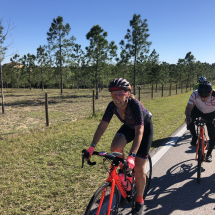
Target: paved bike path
174	189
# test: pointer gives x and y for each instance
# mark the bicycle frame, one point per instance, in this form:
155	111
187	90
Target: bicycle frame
204	139
114	179
113	184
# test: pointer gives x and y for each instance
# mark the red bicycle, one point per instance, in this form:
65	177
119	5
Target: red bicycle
201	145
105	201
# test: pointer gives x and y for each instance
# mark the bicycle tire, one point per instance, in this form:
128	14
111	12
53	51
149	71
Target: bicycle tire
148	177
94	202
199	161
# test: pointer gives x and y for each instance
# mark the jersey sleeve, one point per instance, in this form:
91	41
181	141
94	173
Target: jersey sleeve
193	97
108	112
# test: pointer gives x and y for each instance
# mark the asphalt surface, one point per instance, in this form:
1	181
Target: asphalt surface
174	189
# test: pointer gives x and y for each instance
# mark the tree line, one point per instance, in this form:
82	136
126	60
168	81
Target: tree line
62	63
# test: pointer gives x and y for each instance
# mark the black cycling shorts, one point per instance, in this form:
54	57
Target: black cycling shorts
129	134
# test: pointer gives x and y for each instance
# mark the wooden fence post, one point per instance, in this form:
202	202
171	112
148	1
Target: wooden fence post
139	92
46	109
93	102
170	86
181	88
162	91
152	92
176	89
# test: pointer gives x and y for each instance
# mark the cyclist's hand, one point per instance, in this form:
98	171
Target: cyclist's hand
131	162
90	150
188	120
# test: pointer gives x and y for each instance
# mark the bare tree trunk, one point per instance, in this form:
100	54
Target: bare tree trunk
96	77
78	76
2	95
42	78
134	74
30	78
61	71
135	58
17	71
11	78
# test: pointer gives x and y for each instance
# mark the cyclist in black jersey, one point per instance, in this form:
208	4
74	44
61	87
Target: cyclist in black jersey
137	127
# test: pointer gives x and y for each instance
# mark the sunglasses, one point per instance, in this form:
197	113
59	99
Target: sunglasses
203	97
118	95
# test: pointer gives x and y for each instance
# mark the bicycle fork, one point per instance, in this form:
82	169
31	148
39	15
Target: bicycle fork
204	146
114	180
110	200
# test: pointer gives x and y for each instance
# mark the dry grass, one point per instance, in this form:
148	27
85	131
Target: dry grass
25	109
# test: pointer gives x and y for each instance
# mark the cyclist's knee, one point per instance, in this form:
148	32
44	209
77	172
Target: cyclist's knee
116	149
118	144
139	170
140	166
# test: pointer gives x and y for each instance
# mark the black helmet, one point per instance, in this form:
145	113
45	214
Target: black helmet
204	88
119	84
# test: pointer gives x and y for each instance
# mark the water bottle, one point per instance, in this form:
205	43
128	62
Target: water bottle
127	184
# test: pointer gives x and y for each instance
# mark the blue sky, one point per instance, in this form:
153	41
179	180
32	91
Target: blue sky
176	27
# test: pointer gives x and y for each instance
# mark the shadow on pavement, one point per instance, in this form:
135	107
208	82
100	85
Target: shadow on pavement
178	190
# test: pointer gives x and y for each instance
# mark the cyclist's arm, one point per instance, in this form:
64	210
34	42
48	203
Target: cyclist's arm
188	110
137	139
100	131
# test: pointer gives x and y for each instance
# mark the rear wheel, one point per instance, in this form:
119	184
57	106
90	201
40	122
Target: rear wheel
148	171
199	161
95	200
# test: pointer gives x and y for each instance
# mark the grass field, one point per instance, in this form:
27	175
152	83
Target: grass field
41	166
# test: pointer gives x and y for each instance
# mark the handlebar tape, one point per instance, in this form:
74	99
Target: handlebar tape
85	154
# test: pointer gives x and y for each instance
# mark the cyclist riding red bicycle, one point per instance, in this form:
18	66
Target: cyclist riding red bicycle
137	126
202	104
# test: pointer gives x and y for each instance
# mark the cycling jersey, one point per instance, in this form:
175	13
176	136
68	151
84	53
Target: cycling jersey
196	86
135	113
205	107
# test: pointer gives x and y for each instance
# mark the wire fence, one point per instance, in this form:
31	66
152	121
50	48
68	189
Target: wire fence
28	109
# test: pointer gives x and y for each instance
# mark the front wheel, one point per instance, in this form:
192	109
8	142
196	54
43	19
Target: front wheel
199	161
93	206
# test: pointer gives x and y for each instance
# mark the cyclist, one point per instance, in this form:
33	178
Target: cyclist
137	127
202	104
201	79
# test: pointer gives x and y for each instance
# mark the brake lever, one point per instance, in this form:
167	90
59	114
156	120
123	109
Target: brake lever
85	154
91	163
